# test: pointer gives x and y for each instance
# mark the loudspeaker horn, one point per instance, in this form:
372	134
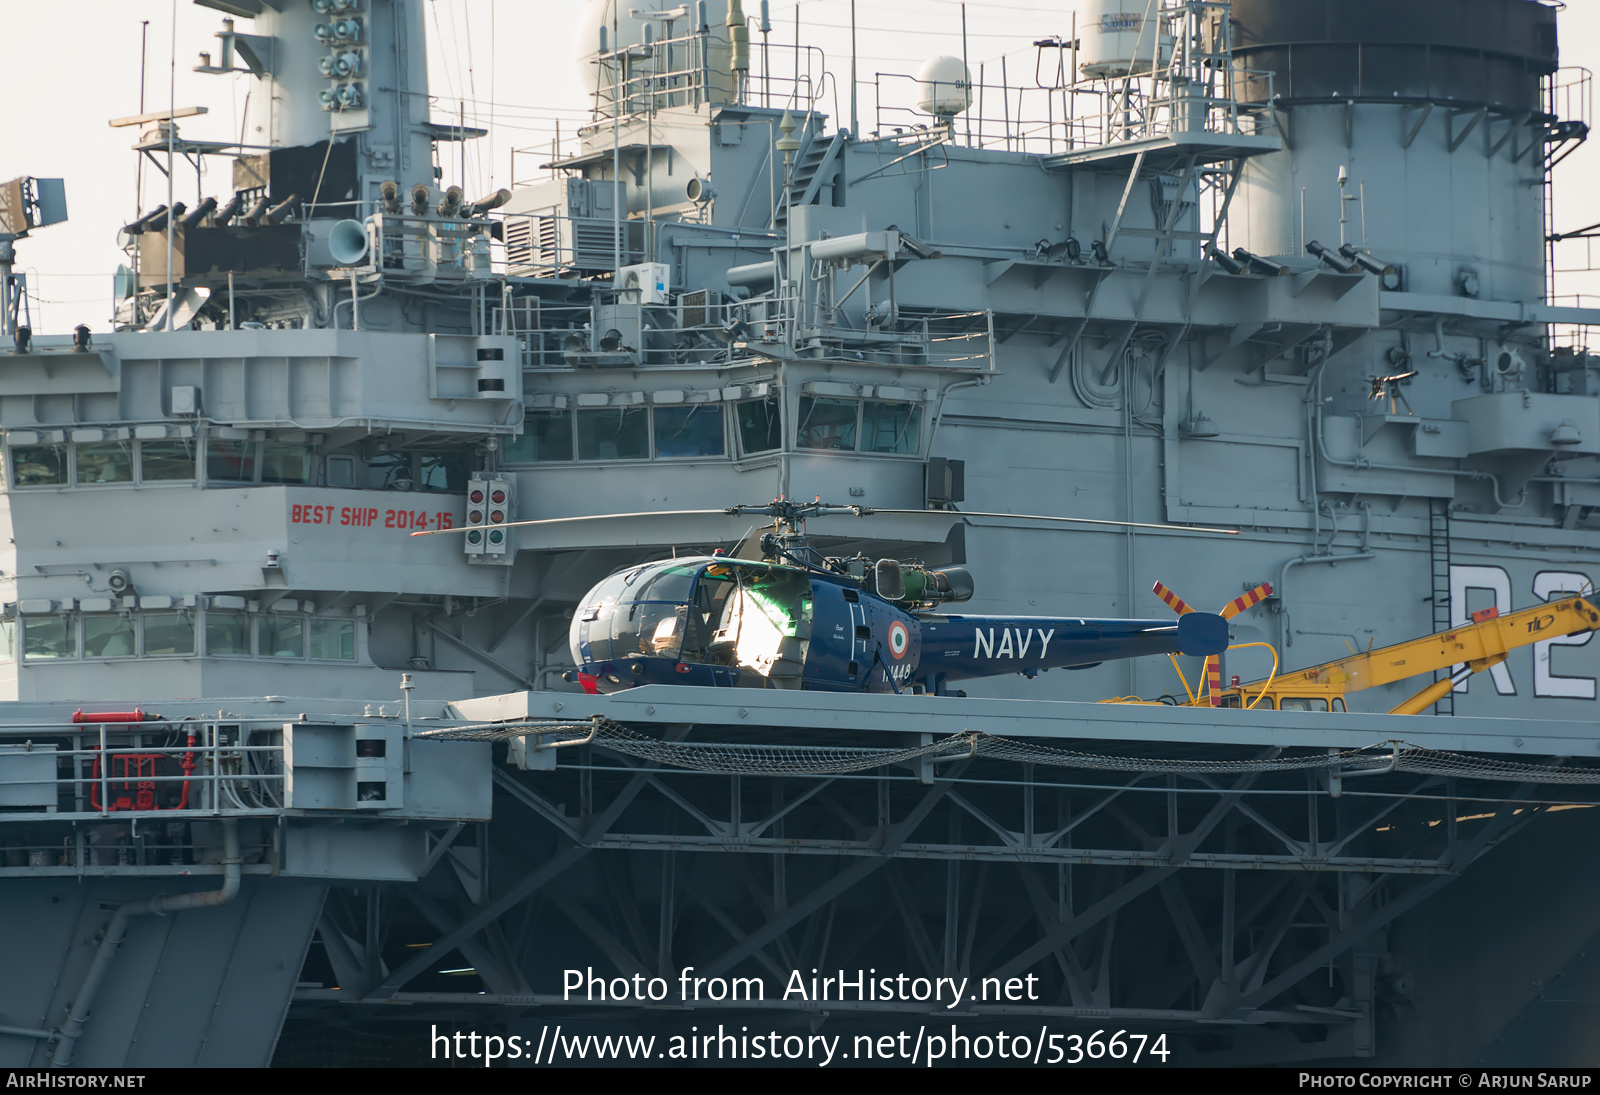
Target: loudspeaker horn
348	242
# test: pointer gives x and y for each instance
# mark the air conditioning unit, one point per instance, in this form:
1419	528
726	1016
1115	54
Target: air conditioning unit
567	228
702	308
521	251
648	279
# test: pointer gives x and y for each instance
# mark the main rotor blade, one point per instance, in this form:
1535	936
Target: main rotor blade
571	520
867	511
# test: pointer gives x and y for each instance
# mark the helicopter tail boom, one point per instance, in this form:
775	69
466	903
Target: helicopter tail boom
963	647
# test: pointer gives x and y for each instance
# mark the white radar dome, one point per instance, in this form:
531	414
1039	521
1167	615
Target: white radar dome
944	87
1120	38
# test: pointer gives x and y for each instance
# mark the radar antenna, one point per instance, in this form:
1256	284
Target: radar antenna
25	203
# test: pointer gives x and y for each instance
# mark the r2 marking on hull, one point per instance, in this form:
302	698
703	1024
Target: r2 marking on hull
984	645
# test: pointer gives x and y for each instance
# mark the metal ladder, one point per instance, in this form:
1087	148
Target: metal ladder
1439	570
818	163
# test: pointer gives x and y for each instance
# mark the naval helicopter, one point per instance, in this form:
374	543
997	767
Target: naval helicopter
777	613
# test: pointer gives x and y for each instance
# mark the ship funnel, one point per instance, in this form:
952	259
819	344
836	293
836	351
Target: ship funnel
348	242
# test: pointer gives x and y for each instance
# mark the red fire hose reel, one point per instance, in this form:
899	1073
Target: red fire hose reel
132	782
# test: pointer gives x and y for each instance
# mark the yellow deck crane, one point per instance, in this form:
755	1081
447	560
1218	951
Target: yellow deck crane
1474	647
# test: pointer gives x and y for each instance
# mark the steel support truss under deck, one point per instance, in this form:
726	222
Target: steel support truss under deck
1254	905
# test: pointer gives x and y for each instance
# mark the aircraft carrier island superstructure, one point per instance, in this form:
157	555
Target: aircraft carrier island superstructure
1275	266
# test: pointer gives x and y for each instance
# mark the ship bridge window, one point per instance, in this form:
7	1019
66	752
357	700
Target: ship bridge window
333	640
444	471
283	636
173	634
49	637
89	464
614	433
166	461
890	427
390	471
227	632
828	424
168	633
39	465
109	637
341	471
760	426
430	471
693	430
546	438
849	425
105	462
229	461
285	463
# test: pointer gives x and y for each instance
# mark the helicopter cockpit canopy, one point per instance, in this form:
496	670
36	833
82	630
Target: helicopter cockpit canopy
699	611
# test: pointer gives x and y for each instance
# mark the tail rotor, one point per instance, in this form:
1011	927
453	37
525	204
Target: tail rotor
1213	665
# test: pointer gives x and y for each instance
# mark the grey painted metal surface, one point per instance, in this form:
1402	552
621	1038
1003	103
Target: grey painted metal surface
206	987
1061	303
1096	725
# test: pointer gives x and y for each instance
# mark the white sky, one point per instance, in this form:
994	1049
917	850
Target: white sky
510	61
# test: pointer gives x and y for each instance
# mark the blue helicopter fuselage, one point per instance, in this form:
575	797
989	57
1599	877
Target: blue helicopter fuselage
735	623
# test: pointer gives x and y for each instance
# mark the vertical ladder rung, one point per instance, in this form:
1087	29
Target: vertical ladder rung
1439	572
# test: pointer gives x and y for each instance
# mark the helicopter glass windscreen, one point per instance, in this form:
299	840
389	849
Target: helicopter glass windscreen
672	584
827	424
759	426
689	431
650	628
890	427
652	612
594	618
546	438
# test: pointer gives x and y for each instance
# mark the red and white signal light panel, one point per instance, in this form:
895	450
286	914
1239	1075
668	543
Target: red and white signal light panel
491	505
